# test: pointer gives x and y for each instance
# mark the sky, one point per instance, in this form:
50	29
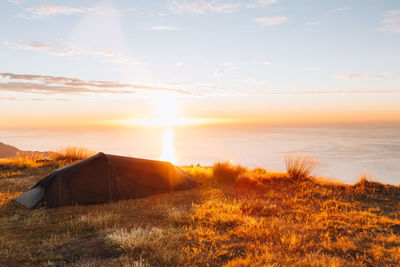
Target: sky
80	63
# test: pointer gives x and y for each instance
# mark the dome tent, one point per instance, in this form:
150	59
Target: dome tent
104	178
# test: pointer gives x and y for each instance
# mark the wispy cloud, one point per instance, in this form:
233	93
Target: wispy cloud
334	92
59	49
218	6
225	70
354	76
254	81
228	92
202	6
46	11
312	23
42	84
163	28
274	20
261	3
232	65
391	22
30	99
15	2
340	9
8	98
50	10
314	68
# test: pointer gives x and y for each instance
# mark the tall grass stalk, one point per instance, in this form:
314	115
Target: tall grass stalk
299	167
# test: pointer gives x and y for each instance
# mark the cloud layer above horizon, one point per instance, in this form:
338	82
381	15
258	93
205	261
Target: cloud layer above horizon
211	52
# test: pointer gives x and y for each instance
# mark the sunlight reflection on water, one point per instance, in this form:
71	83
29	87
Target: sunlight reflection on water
343	152
168	149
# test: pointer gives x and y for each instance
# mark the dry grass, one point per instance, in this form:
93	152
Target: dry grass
299	167
247	218
71	154
23	161
226	172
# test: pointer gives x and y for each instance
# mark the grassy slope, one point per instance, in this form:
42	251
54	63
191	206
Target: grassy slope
259	218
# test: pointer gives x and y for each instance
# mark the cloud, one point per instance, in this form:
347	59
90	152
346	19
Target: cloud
310	23
340	9
261	3
354	76
254	81
15	2
201	6
219	72
163	28
232	63
217	6
46	11
334	92
314	68
231	66
305	92
8	98
222	71
30	99
391	22
42	84
72	50
275	20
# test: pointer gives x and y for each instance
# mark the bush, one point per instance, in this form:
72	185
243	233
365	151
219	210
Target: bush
298	167
226	172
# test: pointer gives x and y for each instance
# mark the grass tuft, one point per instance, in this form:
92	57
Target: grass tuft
71	154
226	172
299	167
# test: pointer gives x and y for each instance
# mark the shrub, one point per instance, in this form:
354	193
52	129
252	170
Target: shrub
227	172
366	186
298	167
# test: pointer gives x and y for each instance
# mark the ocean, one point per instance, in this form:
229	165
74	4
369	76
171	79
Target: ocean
344	153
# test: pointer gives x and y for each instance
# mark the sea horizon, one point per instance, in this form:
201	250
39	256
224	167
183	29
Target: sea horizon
344	152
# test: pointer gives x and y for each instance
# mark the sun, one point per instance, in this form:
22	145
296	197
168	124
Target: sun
166	110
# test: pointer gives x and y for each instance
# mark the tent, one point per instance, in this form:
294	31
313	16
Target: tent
105	178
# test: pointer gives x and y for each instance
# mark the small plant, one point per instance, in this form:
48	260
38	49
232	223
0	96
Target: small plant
367	186
298	167
227	172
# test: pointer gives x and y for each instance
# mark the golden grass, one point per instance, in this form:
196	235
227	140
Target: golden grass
71	154
25	161
247	218
299	167
13	166
227	172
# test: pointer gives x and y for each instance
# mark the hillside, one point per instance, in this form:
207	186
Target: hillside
236	217
7	151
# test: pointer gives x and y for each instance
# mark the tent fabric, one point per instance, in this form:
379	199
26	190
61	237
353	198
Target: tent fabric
104	178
